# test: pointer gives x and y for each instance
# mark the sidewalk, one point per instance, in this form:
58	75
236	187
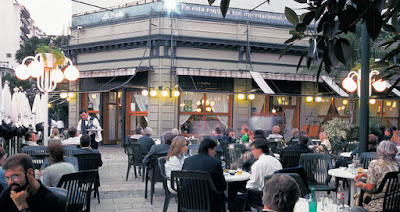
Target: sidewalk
116	194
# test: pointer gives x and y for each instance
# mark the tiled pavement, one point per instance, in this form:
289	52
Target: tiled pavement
118	195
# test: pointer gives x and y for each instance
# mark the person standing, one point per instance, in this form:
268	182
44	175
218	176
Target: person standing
86	124
244	131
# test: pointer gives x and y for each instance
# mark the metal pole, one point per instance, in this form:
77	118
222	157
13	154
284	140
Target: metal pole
46	119
123	103
364	86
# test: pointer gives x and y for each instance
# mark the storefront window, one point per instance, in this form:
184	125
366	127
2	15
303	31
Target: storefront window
201	113
138	108
93	104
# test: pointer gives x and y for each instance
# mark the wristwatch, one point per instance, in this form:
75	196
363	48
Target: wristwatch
24	210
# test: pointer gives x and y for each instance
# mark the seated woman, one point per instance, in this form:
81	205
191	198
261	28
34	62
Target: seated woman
377	170
53	173
324	141
174	159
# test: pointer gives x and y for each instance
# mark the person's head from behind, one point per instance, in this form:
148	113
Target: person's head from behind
281	193
72	132
295	133
19	171
244	129
218	131
139	130
276	129
178	147
208	146
259	133
84	114
85	141
372	141
259	147
387	150
148	131
56	151
55	132
30	136
175	131
3	155
229	132
303	140
168	137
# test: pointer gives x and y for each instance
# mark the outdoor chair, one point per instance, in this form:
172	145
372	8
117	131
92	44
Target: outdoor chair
193	149
168	194
91	162
79	186
71	160
367	157
62	195
303	188
154	176
293	141
135	158
352	146
331	156
290	158
69	150
390	186
296	170
317	167
195	189
38	154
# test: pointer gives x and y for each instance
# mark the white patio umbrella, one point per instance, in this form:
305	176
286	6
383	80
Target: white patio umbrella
16	107
5	106
26	113
37	110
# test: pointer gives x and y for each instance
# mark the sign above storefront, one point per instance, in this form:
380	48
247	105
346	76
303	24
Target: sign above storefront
182	10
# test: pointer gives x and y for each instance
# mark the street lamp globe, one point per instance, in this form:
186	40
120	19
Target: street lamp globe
71	73
59	76
379	85
36	69
22	73
349	84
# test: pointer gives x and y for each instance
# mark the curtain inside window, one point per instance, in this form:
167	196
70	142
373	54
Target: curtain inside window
142	102
111	122
288	124
323	108
186	97
220	105
258	103
340	107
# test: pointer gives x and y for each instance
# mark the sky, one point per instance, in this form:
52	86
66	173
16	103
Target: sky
53	15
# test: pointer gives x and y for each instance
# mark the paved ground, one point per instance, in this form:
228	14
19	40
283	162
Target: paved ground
118	195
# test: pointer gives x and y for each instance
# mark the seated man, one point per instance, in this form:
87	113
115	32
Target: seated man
205	161
265	165
73	137
24	192
138	133
86	149
146	141
301	146
275	133
53	173
281	193
160	148
30	139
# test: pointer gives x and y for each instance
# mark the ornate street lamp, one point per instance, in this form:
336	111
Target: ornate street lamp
350	85
49	70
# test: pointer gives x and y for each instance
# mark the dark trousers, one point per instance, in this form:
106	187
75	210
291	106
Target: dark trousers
93	143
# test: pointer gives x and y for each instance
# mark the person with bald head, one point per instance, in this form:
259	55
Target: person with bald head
160	148
275	132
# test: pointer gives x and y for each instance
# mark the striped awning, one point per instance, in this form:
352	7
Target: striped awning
108	73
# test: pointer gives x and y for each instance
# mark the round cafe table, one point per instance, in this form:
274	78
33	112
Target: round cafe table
344	172
234	178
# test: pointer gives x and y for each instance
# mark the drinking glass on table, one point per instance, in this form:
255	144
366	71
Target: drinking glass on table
239	168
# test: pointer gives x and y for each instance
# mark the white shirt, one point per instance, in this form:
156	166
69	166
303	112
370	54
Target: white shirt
327	144
274	136
265	165
71	141
96	125
173	164
31	143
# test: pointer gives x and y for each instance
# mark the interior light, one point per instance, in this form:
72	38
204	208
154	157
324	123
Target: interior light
240	96
70	95
252	96
372	101
318	99
309	98
388	103
145	92
164	93
63	95
48	105
153	93
345	102
394	104
176	93
274	111
208	109
94	96
198	110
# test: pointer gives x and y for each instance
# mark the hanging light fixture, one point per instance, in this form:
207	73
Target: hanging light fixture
164	93
372	101
240	96
145	92
153	93
252	96
176	93
309	98
63	95
318	99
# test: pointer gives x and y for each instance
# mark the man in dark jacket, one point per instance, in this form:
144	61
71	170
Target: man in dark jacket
205	161
146	141
160	148
301	146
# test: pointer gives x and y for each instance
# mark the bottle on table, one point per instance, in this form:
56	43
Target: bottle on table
340	198
312	202
223	162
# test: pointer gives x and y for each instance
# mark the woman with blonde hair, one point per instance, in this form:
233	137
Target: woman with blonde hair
174	159
324	141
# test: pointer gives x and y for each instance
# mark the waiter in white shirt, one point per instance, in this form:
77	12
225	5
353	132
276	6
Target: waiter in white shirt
86	124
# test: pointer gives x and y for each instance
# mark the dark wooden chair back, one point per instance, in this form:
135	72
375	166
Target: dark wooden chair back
290	158
62	195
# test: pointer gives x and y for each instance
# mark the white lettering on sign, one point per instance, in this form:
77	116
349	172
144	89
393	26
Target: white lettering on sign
112	15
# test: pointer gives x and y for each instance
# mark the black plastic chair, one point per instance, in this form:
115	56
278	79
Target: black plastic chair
69	150
194	189
168	194
290	158
352	146
296	170
303	188
331	156
135	158
79	186
155	175
390	186
367	157
91	162
62	195
317	167
38	154
71	160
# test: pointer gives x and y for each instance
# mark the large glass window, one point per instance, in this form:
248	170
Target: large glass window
201	113
138	107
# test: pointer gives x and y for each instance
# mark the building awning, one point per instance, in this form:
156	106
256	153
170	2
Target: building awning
261	82
394	90
108	73
329	81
